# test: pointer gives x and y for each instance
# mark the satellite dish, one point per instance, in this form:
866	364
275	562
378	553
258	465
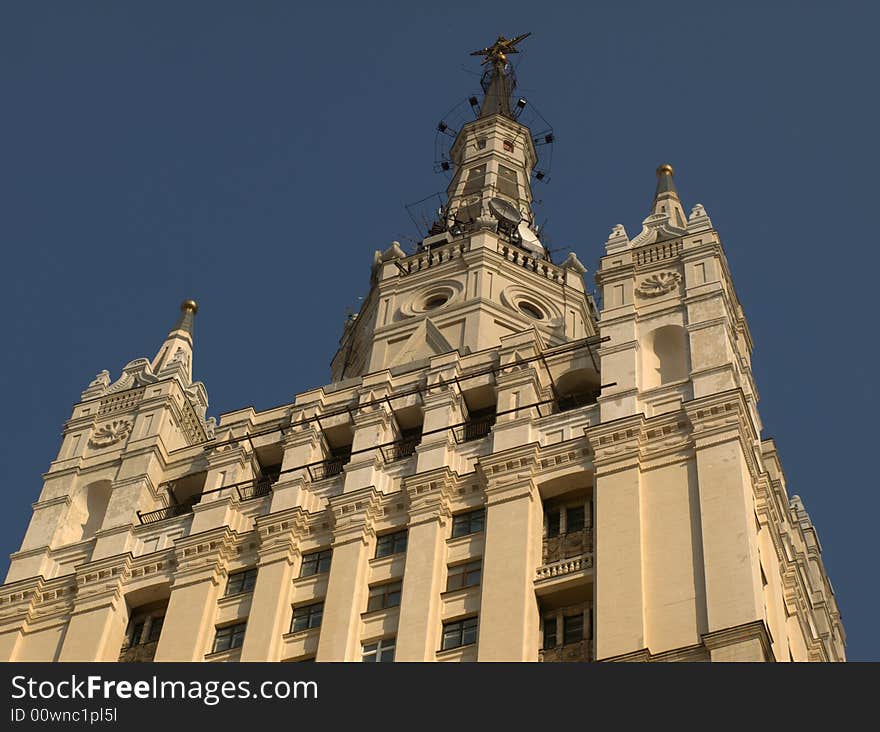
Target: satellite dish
504	211
529	239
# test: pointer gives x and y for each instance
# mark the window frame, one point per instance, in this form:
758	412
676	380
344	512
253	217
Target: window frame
234	631
565	628
382	591
394	538
463	570
248	581
470	623
469	516
306	559
311	609
382	646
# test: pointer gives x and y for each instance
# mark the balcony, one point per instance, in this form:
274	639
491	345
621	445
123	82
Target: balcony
478	426
142	653
332	466
567	545
255	489
578	652
177	509
400	450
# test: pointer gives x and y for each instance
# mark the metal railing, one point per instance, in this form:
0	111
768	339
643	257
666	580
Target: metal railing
328	468
574	401
474	429
400	450
177	509
255	489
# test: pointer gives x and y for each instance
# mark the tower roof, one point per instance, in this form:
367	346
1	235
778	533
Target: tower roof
176	351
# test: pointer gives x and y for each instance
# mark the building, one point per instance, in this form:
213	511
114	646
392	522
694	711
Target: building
498	470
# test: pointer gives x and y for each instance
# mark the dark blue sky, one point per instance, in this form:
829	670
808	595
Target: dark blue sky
253	155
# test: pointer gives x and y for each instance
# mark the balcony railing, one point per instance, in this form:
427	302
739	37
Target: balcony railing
141	653
568	545
256	489
564	567
474	429
401	449
567	653
178	509
574	401
328	468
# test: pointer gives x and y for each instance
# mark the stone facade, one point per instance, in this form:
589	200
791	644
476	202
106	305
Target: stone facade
498	471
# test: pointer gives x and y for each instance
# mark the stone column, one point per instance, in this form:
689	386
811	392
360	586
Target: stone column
734	591
619	598
188	630
419	626
508	624
353	539
270	606
99	618
373	427
442	407
302	445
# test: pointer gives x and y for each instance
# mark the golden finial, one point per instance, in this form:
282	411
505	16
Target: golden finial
496	54
189	306
665	168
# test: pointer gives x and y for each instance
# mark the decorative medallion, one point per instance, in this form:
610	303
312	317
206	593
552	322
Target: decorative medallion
110	433
659	284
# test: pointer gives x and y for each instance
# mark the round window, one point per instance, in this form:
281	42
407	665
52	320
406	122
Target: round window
530	310
435	301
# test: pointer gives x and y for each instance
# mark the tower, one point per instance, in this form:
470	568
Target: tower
497	470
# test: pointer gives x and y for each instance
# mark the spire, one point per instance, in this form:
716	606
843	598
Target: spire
666	200
498	81
176	352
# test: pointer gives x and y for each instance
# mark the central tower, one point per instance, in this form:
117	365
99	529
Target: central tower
481	273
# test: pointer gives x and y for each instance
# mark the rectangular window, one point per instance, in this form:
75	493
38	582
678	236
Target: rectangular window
155	629
389	544
229	636
507	183
136	632
459	633
475	181
241	582
379	651
307	616
316	563
575	518
468	523
549	633
464	575
552	524
382	596
573	628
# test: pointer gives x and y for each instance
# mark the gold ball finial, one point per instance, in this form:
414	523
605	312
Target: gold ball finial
665	168
189	306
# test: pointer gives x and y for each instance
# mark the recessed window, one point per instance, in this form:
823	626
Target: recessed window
379	651
435	301
241	582
384	596
464	575
460	633
575	518
316	563
550	633
230	636
468	523
553	524
307	616
530	310
573	628
389	544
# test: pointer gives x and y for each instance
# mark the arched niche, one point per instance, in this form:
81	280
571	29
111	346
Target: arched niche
664	356
88	508
577	388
